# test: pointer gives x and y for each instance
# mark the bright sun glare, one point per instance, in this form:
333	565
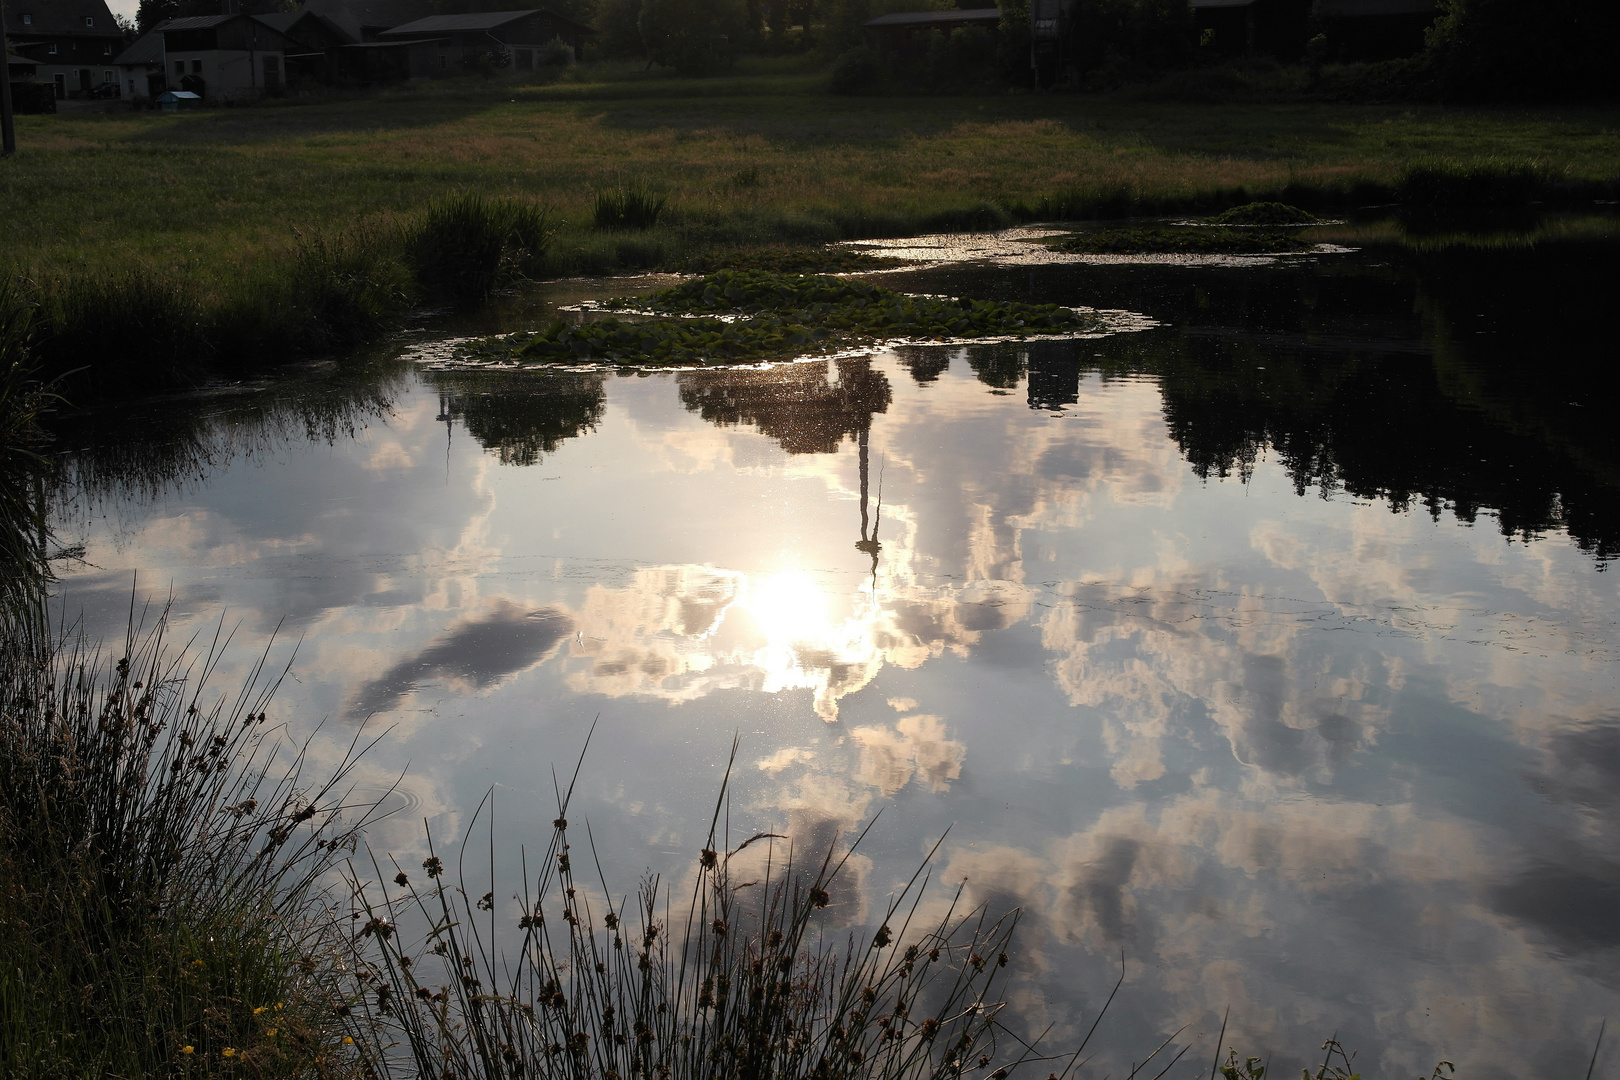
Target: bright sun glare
790	608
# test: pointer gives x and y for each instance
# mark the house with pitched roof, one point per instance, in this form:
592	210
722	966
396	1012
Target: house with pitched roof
72	43
459	43
220	58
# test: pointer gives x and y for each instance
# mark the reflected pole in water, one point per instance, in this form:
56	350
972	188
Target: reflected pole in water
449	426
869	545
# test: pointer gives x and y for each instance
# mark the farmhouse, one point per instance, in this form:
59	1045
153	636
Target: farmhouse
220	58
71	42
458	43
899	31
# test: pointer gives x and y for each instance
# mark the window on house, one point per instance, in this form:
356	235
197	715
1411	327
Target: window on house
52	49
109	77
106	50
444	61
196	67
179	67
28	20
89	20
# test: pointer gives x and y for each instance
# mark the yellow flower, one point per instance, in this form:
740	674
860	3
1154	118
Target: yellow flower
258	1010
229	1051
278	1006
270	1034
188	1049
196	963
348	1041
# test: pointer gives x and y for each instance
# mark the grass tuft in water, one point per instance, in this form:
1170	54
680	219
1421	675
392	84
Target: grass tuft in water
132	329
1443	185
628	206
464	247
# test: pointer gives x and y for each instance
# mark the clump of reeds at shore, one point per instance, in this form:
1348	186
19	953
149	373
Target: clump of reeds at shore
628	205
161	871
101	333
739	978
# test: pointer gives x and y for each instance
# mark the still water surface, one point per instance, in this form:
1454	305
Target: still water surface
1273	647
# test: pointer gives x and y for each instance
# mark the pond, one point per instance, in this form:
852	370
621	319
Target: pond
1271	648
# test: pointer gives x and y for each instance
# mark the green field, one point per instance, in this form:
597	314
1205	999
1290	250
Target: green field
761	156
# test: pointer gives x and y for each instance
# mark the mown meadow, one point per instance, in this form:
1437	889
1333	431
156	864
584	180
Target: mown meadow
761	156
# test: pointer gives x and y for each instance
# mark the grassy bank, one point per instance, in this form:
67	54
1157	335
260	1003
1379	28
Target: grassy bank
761	156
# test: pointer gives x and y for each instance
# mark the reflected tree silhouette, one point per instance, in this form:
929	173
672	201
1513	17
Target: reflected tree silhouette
520	416
795	404
1464	381
147	451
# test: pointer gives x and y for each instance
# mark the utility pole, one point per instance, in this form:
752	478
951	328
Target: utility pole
8	128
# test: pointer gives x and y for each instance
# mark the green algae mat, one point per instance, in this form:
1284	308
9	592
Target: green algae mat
748	316
1196	240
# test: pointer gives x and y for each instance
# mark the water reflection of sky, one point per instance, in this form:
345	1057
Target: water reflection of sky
1340	769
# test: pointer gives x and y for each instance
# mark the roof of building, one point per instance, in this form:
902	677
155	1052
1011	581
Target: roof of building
22	61
355	17
193	22
147	49
936	18
474	22
1350	9
55	18
286	23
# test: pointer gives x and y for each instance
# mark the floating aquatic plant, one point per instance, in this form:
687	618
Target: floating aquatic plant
748	315
1265	213
1172	241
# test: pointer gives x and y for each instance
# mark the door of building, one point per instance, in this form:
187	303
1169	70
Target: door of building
84	80
272	74
61	85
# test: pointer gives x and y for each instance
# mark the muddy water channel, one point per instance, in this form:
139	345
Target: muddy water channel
1272	648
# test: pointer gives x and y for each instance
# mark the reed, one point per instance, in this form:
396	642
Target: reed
627	205
161	869
121	330
24	573
1493	183
740	978
463	247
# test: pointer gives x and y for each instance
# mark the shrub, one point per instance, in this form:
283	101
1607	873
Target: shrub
694	37
628	206
1122	37
1506	49
964	56
618	24
855	71
555	53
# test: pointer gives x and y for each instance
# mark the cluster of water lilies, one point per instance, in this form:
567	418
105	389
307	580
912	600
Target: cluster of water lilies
749	315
